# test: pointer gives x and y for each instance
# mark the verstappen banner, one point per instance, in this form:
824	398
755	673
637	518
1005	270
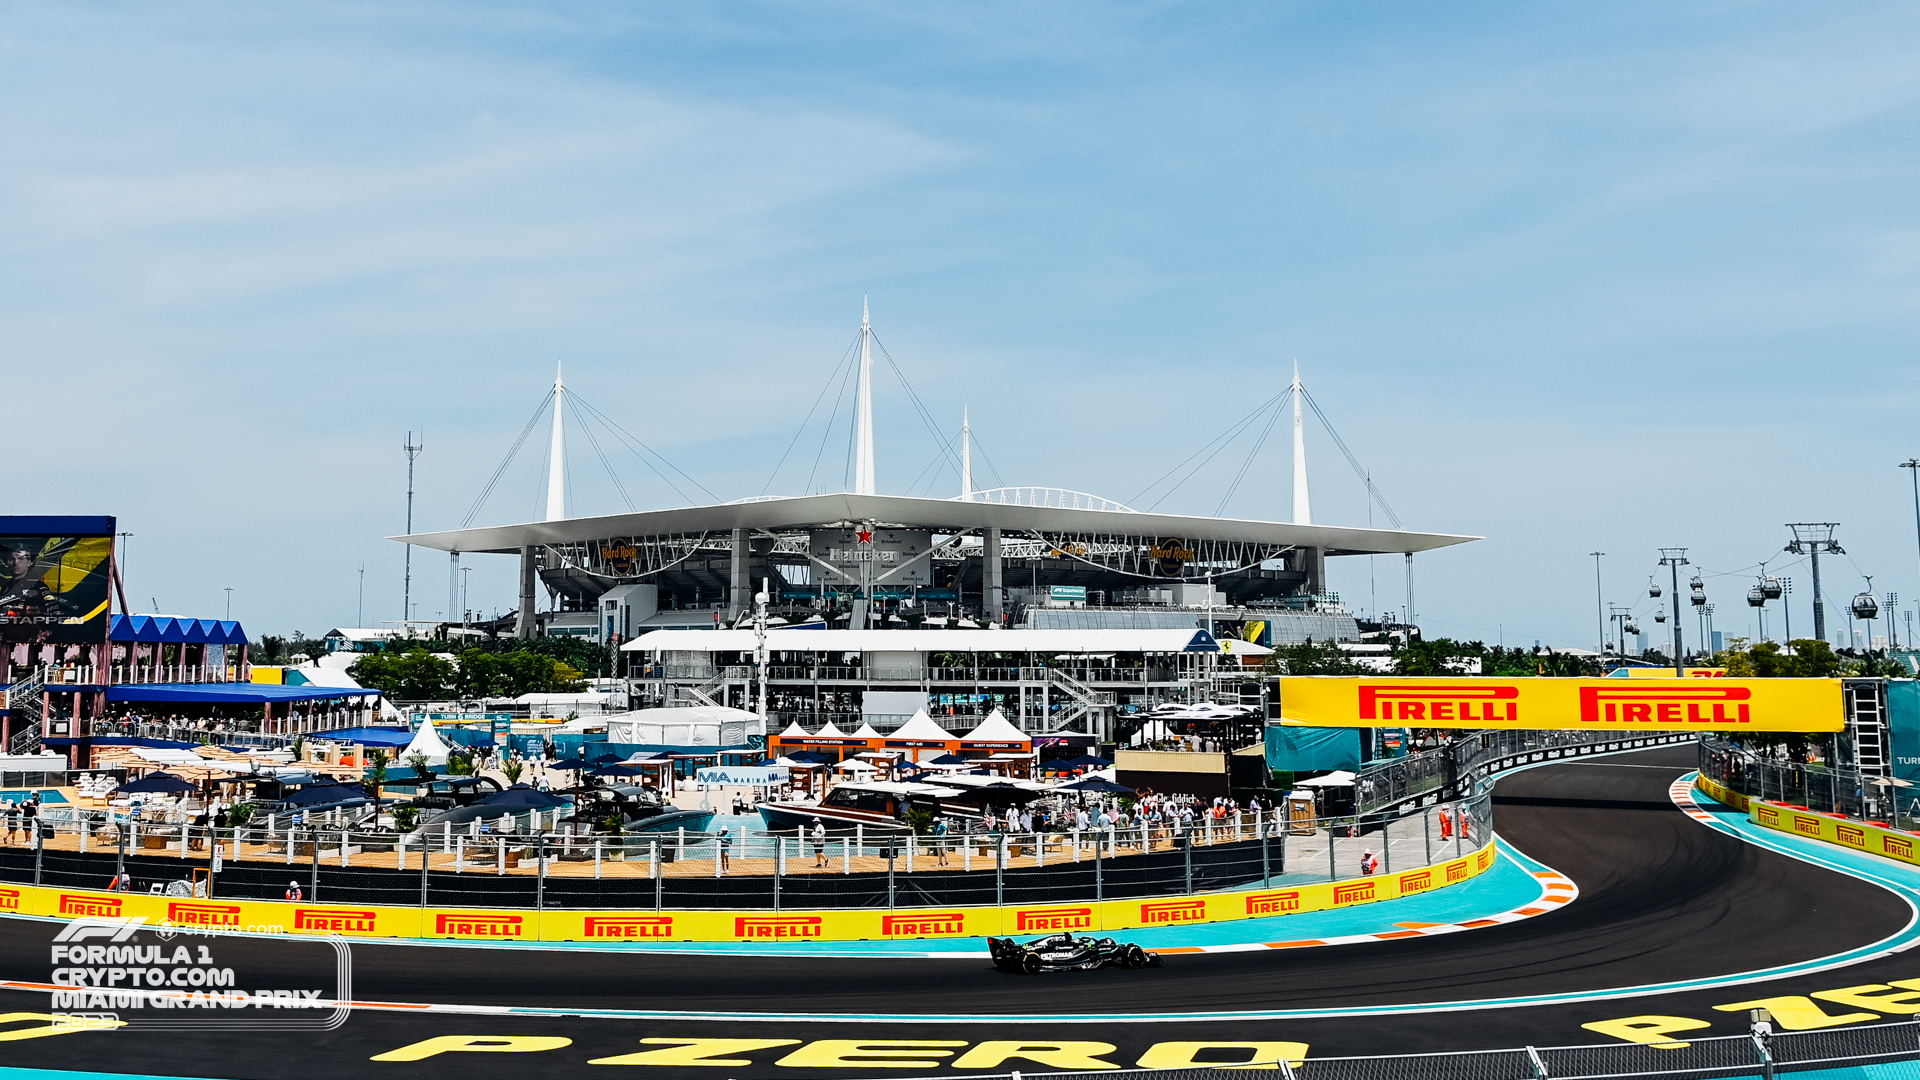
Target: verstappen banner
1732	705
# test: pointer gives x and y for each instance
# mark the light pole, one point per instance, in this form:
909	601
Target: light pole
1815	538
229	603
1599	607
760	645
1676	558
464	610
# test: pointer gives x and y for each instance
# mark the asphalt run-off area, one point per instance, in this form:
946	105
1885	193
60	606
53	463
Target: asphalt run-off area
1679	909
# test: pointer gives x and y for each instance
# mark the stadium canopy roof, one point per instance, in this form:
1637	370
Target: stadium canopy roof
172	629
229	693
938	515
926	641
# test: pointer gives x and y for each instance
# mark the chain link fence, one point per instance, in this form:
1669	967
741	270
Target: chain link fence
514	863
1817	786
1458	767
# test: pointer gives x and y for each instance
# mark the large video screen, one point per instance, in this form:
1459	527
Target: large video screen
55	578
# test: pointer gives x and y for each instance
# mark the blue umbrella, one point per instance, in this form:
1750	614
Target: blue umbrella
571	765
521	797
1107	786
159	783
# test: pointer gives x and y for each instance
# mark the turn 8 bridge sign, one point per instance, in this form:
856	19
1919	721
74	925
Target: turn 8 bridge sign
1732	705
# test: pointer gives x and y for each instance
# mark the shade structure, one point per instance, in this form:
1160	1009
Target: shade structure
158	784
427	741
996	729
229	693
368	736
794	731
570	765
948	759
830	732
865	731
1000	795
1087	761
521	797
1106	786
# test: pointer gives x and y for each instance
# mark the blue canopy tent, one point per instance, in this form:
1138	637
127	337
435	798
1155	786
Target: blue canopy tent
158	784
384	737
230	693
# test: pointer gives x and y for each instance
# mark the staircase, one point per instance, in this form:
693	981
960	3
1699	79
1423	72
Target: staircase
27	702
704	693
1082	701
1866	705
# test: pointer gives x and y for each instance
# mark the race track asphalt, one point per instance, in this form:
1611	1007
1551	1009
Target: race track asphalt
1662	898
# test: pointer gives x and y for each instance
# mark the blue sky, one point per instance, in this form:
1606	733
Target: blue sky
1570	278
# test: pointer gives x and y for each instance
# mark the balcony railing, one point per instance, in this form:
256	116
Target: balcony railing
137	674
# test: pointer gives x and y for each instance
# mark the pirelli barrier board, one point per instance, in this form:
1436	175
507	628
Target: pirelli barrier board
1858	835
366	920
1626	705
1723	794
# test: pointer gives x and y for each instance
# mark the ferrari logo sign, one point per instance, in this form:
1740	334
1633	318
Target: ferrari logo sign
1733	705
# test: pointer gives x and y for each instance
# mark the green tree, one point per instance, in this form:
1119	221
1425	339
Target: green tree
1310	658
414	675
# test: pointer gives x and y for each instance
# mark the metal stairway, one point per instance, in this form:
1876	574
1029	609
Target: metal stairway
1082	701
27	702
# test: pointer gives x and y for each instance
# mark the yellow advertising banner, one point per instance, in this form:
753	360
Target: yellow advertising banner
1732	705
1875	839
510	924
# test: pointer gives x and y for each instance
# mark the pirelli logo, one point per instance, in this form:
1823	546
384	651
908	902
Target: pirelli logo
1457	871
1805	825
1767	815
1035	920
1853	836
1897	846
1494	703
9	899
477	925
626	927
1353	892
923	923
1273	903
1484	859
766	927
1173	911
92	906
1666	705
1416	881
338	920
184	914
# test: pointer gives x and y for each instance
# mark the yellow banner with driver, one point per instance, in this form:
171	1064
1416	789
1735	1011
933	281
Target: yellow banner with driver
1731	705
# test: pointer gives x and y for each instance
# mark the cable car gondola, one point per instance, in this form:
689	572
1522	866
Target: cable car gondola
1771	586
1757	597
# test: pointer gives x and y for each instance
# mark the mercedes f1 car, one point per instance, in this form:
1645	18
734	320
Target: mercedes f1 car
1064	952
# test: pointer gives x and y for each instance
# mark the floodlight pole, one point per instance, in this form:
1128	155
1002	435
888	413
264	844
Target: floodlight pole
1599	606
760	646
406	593
1676	558
1913	466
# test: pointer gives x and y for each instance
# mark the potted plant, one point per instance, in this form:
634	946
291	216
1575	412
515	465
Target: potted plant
616	844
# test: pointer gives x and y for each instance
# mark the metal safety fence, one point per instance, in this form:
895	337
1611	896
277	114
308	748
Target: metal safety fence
521	864
1819	786
1462	765
1761	1053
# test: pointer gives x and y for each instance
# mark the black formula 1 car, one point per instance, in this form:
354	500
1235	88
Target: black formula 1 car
1064	952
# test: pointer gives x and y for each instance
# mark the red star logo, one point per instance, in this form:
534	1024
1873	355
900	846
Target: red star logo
864	535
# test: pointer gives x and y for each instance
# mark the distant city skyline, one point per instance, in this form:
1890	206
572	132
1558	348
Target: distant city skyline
1573	280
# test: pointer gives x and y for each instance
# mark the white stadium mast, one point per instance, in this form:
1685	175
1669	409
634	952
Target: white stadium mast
863	453
557	455
966	456
1302	504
